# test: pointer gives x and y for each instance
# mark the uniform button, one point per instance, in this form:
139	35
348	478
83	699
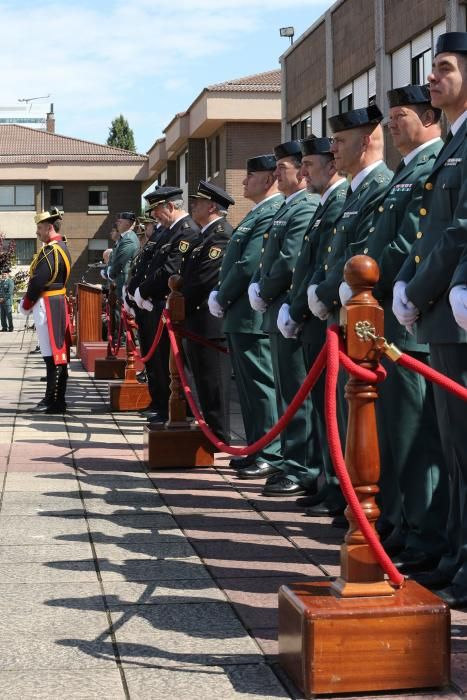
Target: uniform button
326	267
423	211
261	264
431	301
293	270
428	185
417	259
419	234
380	208
334	230
329	248
306	238
365	250
291	286
335	302
262	250
304	316
197	308
391	206
266	235
372	228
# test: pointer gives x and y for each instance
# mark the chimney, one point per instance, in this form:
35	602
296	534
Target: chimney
50	125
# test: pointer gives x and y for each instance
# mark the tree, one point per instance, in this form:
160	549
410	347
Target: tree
120	134
7	252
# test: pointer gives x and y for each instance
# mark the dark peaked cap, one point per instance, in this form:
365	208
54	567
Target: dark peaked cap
289	148
355	118
261	163
408	95
162	194
451	42
127	215
316	146
206	190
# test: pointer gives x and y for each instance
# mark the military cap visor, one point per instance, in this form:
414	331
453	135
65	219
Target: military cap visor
126	215
50	215
316	147
355	118
262	163
408	95
206	190
161	195
289	148
451	42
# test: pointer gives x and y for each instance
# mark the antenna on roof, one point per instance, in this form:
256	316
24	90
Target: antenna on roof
30	99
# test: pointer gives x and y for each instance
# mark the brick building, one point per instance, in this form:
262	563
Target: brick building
89	182
226	124
357	51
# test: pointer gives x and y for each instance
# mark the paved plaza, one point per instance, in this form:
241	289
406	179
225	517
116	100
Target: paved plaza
118	583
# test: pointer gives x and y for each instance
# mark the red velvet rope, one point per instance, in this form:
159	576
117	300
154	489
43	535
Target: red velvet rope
433	376
160	329
111	348
307	386
335	449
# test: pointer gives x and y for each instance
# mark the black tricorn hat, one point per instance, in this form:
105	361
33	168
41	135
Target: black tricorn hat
160	195
356	118
206	190
408	95
316	146
289	148
261	163
127	215
451	42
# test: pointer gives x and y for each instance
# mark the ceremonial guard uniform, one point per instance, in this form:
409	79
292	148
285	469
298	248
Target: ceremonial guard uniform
175	242
46	299
210	368
313	330
301	461
412	486
426	278
250	351
7	287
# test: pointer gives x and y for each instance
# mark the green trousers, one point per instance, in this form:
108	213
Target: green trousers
250	354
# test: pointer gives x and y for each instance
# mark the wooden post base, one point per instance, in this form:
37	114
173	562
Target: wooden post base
330	645
129	396
113	368
166	448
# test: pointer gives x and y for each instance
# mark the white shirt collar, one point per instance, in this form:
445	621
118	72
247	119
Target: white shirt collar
292	196
264	200
410	156
211	222
326	194
176	222
359	177
455	126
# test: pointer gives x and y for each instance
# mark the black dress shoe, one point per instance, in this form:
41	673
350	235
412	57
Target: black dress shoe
41	407
431	579
56	408
411	560
282	487
312	498
324	509
454	595
257	471
142	377
242	462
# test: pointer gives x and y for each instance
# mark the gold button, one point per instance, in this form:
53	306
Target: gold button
372	228
417	259
334	230
266	235
329	248
419	234
380	208
423	211
335	302
365	250
261	264
306	238
304	316
428	185
325	267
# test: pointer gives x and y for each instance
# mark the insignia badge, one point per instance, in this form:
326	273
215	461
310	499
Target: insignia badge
214	252
183	246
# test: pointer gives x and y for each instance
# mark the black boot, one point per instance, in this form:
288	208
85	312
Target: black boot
49	397
60	381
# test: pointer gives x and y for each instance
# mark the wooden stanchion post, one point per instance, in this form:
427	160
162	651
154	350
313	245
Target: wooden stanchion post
177	443
358	633
111	366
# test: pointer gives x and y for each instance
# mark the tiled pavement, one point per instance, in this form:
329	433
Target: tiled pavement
115	583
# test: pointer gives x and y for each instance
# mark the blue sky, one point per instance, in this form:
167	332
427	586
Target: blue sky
141	59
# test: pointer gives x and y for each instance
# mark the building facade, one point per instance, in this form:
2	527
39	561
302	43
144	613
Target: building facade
357	51
226	124
89	182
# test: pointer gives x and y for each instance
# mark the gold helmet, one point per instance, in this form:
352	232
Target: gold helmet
51	215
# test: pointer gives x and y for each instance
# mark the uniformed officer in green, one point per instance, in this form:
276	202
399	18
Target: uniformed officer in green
249	347
321	176
421	299
412	492
126	249
301	456
7	287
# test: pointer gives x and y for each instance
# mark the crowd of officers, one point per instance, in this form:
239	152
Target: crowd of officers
268	290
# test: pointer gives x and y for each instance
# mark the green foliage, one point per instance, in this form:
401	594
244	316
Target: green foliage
7	252
120	135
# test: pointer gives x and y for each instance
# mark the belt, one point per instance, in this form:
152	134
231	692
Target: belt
54	292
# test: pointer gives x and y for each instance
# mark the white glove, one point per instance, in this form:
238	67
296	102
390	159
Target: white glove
256	302
403	309
345	293
22	310
128	309
138	298
316	306
103	275
458	301
285	323
215	309
147	305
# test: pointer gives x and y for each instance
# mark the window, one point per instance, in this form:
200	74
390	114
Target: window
324	119
186	166
345	104
412	62
25	249
306	130
56	196
17	197
420	67
217	160
98	199
295	131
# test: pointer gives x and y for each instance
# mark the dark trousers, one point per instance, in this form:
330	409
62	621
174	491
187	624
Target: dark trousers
148	322
6	317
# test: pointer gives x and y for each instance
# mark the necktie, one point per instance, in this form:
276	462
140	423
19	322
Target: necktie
349	192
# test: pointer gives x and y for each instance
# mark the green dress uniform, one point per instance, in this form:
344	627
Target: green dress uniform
313	332
126	249
7	287
302	461
428	272
413	490
249	347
